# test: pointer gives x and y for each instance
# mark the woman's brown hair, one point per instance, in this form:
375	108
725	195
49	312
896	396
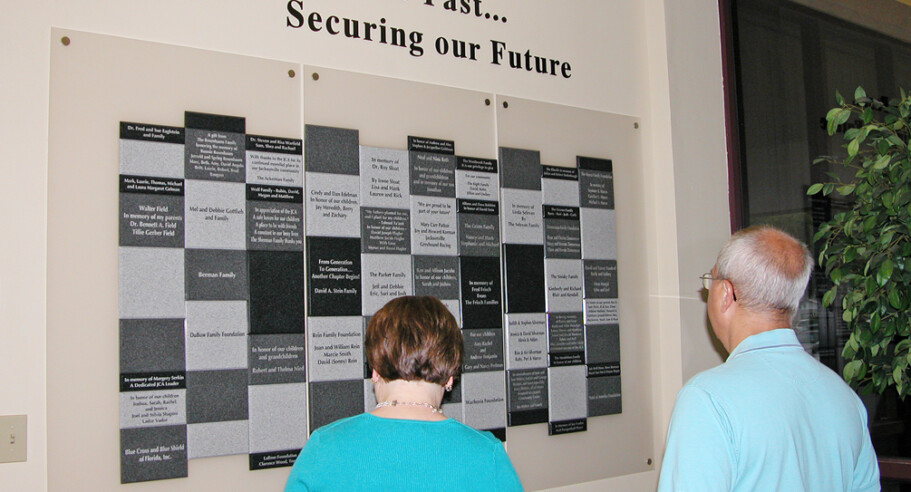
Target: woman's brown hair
414	338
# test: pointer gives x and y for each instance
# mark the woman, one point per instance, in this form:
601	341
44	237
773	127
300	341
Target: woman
414	347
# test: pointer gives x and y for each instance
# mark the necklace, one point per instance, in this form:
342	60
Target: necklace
392	403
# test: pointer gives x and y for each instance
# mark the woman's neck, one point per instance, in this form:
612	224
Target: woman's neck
414	400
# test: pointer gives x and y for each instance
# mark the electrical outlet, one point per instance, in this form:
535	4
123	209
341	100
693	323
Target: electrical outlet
13	438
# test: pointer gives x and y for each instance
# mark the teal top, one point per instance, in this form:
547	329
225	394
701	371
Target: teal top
770	418
366	452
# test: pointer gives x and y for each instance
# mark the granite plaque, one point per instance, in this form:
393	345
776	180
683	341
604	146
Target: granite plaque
564	285
527	391
477	179
432	174
483	350
334	268
274	161
335	348
521	217
600	278
433	222
277	359
385	230
527	341
436	276
385	278
524	270
384	177
480	279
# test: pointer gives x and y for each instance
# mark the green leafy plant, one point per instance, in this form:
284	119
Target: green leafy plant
866	250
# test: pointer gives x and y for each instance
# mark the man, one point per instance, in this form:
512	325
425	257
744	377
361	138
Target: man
771	418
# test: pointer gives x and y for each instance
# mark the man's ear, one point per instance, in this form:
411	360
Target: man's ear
727	300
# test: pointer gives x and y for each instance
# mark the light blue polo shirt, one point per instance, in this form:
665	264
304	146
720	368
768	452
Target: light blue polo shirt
771	418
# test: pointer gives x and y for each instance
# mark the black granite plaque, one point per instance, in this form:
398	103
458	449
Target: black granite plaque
214	147
436	276
331	150
520	169
432	174
480	279
216	275
596	182
334	267
527	396
276	292
524	270
151	219
153	453
600	279
333	400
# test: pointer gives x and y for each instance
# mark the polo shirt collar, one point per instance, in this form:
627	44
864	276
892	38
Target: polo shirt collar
782	337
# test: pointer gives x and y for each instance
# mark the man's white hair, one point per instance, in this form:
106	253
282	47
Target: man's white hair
768	268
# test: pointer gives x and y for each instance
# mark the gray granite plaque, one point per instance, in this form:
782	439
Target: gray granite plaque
385	278
274	161
332	203
560	186
564	285
384	177
278	417
527	341
275	226
433	222
216	335
521	217
477	179
277	359
215	215
484	398
153	454
331	150
483	350
214	155
216	275
151	150
599	235
568	393
151	283
153	408
385	230
335	348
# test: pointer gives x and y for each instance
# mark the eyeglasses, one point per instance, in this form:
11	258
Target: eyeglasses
707	279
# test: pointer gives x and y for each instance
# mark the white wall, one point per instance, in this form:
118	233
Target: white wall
656	60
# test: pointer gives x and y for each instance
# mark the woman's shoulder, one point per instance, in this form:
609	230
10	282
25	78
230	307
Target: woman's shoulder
472	434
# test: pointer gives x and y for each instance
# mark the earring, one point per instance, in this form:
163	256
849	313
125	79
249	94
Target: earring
375	380
448	388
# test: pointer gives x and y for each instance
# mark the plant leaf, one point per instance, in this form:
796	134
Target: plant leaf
882	162
814	189
859	93
851	369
